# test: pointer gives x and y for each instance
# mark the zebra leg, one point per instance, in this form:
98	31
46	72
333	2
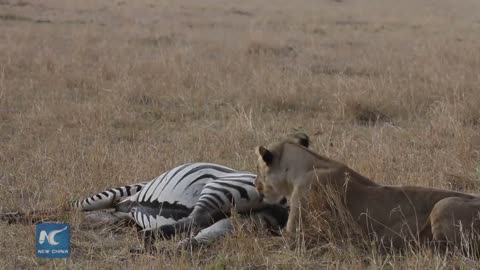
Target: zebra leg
149	238
271	218
100	201
106	199
101	218
197	220
207	235
31	217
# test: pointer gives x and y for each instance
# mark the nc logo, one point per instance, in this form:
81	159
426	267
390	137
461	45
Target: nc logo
53	240
50	237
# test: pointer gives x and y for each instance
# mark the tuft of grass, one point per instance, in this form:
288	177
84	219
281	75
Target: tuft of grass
258	49
366	114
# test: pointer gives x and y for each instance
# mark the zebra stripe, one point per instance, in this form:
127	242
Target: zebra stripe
173	176
106	199
206	186
222	191
154	190
201	177
209	166
242	190
149	190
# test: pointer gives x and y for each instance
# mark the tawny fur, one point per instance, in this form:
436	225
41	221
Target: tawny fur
394	214
454	220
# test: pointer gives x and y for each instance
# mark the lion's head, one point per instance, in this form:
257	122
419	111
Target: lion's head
270	182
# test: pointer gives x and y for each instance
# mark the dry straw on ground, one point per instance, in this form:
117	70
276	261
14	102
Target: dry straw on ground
95	94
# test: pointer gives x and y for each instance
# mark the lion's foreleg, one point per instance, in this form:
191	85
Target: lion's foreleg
295	211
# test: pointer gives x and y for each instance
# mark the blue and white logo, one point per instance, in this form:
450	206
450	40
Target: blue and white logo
53	240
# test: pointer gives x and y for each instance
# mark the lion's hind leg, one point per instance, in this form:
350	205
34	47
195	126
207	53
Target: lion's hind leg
454	225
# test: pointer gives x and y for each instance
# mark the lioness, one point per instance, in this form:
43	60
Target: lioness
393	214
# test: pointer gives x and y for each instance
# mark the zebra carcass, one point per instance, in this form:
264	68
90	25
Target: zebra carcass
195	198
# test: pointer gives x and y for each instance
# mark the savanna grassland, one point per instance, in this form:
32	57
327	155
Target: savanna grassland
95	94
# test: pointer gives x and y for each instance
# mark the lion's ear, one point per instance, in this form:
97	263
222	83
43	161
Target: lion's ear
302	139
265	154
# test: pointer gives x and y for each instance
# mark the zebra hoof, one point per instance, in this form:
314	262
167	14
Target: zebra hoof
188	244
144	251
137	251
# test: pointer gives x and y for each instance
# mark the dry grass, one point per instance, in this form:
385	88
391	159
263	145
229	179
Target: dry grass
95	94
